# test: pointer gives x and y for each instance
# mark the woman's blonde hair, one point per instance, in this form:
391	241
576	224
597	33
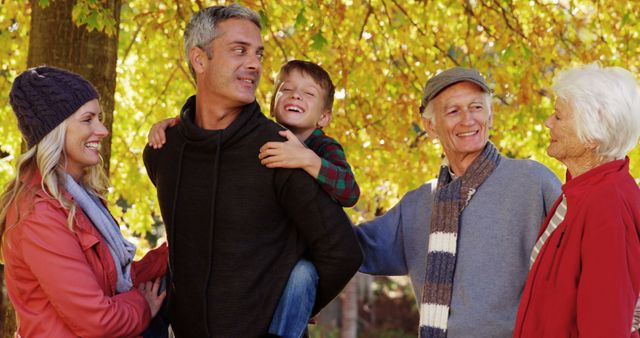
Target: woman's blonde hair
48	158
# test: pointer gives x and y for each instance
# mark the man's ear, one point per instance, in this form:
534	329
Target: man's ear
430	127
197	57
325	119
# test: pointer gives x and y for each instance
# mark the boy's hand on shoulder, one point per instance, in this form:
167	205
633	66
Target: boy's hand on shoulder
157	136
290	154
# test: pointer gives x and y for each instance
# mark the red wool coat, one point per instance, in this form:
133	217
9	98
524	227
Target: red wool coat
63	283
586	279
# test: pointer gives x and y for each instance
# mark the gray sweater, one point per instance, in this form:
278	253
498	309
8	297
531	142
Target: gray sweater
498	229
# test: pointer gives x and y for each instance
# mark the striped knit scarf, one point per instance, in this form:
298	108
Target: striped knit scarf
450	199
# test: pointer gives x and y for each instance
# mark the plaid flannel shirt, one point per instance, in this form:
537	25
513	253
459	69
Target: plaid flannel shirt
335	177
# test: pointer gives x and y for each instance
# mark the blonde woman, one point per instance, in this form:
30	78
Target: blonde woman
69	272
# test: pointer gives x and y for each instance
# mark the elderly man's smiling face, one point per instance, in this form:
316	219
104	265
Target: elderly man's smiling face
461	121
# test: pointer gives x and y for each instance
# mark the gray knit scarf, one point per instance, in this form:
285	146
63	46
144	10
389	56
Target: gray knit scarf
121	250
451	196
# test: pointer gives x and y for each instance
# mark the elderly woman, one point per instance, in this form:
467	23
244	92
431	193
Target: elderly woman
585	267
69	272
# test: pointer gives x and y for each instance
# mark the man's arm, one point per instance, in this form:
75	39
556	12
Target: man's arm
382	240
325	229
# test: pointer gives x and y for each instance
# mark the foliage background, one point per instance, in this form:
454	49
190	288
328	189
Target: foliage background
379	53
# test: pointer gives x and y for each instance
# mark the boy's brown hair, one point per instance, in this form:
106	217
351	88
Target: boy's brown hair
317	73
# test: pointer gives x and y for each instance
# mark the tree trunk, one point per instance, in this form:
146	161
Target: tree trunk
349	299
8	322
55	40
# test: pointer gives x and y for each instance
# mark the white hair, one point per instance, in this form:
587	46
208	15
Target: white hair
201	29
606	104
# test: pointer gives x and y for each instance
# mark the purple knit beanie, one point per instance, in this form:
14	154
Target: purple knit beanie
43	97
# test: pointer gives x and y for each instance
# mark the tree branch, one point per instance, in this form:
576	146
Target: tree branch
435	43
273	35
133	41
179	10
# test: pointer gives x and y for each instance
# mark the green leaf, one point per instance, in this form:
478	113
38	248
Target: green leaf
507	53
264	19
99	20
526	51
43	3
76	12
301	20
92	21
318	41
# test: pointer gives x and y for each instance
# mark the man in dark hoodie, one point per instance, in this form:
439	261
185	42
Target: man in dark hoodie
236	228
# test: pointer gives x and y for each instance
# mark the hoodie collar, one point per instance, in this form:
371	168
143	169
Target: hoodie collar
242	125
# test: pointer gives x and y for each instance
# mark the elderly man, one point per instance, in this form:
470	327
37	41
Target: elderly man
465	239
236	228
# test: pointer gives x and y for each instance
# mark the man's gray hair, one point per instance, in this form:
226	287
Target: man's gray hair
201	29
606	104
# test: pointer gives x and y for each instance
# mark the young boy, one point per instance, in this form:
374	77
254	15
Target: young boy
302	102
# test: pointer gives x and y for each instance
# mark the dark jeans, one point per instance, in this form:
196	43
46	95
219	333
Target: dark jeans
296	303
158	328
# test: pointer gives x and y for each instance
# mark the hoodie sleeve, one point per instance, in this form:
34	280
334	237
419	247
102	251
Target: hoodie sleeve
149	157
326	230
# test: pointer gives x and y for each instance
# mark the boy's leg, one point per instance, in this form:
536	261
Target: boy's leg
158	328
296	303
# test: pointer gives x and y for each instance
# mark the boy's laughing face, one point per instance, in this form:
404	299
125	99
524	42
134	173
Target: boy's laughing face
299	104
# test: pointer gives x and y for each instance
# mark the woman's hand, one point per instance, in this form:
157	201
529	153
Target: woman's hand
150	292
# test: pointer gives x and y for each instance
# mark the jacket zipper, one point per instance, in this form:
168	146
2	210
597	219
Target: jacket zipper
553	267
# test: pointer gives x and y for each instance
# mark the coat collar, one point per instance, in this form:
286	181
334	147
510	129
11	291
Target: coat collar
33	181
606	173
